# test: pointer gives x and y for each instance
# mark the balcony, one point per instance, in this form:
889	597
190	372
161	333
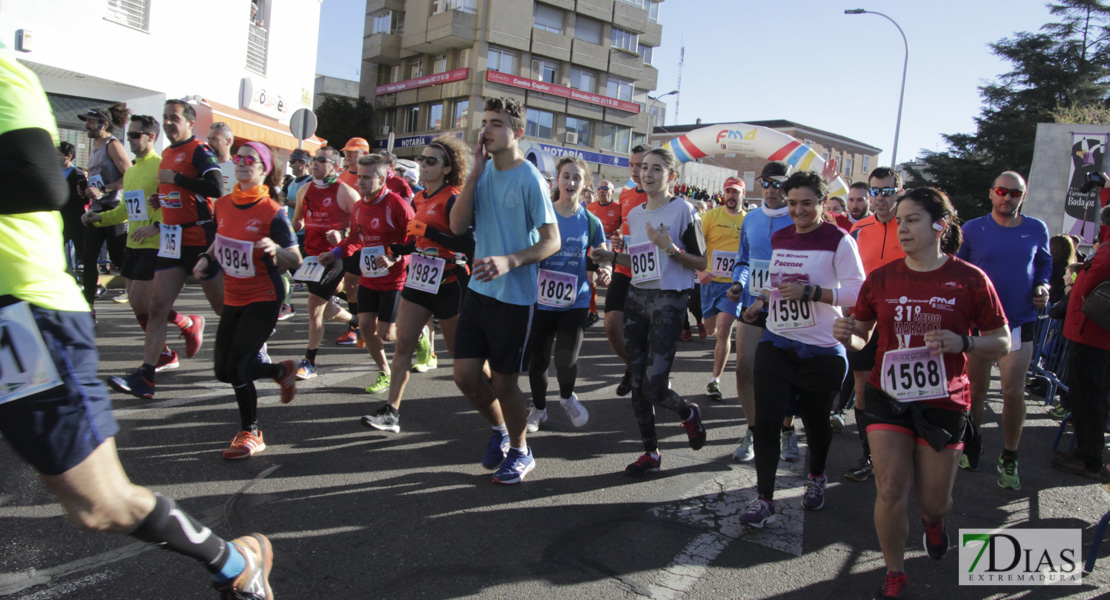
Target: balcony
384	48
601	10
373	6
623	63
630	17
445	31
257	38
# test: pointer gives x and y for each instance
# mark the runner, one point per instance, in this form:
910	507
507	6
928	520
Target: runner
663	261
254	240
323	210
378	220
814	270
721	227
187	181
1012	249
560	317
437	272
514	228
609	213
65	428
859	204
926	307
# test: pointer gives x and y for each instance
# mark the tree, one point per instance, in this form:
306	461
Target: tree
340	120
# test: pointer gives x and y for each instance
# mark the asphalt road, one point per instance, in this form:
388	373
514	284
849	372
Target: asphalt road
355	513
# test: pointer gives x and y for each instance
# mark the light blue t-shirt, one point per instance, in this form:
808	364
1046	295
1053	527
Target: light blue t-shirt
509	208
575	232
755	243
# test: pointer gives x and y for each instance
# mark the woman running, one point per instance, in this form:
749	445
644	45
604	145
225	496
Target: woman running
815	269
665	249
437	268
254	242
927	305
564	295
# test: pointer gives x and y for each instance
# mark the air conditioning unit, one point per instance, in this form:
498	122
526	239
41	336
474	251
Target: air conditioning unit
572	137
383	130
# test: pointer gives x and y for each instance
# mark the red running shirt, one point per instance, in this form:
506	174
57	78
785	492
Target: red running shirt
380	224
251	222
629	199
322	213
434	211
191	158
610	215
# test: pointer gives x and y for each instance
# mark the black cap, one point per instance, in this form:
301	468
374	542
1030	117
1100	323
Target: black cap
777	170
95	113
300	155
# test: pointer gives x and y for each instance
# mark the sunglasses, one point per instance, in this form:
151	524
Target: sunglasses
603	188
1013	193
323	159
245	160
134	135
884	192
431	161
770	184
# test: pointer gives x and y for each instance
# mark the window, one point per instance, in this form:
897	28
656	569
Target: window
825	156
416	68
395	73
653	11
548	18
388	21
846	168
462	110
389	119
540	124
639	3
582	128
435	116
587	29
618	88
545	70
583	79
462	59
866	166
439	63
625	40
412	119
439	6
132	13
615	138
638	138
645	53
501	60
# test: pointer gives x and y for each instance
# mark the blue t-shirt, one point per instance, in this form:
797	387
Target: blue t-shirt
1016	259
575	232
509	208
755	245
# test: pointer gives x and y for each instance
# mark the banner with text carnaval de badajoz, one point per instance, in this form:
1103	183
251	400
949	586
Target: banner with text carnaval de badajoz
1081	209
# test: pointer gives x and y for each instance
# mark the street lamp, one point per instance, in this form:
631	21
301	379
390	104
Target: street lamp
902	94
651	118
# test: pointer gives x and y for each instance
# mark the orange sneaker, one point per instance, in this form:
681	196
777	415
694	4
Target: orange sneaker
254	581
288	382
349	338
245	445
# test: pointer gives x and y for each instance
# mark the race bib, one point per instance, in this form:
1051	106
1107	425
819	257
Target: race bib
1015	339
556	289
25	365
236	256
136	205
914	374
787	315
170	200
758	274
425	273
645	262
311	270
366	261
722	264
169	246
96	181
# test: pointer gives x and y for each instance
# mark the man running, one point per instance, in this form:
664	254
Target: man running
220	139
108	162
721	228
859	203
609	213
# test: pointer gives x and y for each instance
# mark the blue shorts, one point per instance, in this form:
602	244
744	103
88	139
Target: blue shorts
58	429
714	299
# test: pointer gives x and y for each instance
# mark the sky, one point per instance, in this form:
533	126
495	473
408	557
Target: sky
816	66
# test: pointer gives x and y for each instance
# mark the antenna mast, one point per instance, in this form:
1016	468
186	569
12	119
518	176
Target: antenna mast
678	97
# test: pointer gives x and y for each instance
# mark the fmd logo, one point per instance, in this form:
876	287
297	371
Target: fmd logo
730	134
1025	557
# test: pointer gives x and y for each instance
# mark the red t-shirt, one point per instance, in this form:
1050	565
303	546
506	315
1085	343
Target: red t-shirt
379	222
192	158
349	177
905	304
609	214
629	199
877	242
322	213
398	185
435	211
238	224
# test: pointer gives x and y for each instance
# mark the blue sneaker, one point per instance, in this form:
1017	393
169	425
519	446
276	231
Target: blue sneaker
306	370
515	466
759	513
134	384
814	497
263	355
495	452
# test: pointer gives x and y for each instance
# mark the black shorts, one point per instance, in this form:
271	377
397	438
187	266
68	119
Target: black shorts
329	281
591	266
384	303
57	429
496	331
617	293
760	321
189	257
443	305
864	360
879	415
139	263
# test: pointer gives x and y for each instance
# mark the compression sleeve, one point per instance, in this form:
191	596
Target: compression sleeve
30	171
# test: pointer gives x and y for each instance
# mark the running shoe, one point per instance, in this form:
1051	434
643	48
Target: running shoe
789	446
100	291
134	384
386	419
701	331
360	342
287	312
120	298
592	319
380	384
194	335
306	370
758	513
166	361
624	388
431	363
935	539
536	417
515	466
745	452
1074	465
254	582
814	496
644	465
862	471
972	451
685	337
577	413
495	450
893	584
836	421
423	348
244	445
694	428
713	391
288	381
299	287
264	355
1058	413
349	338
1008	473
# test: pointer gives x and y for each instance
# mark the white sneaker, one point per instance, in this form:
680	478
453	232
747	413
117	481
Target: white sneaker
745	452
789	446
577	413
535	417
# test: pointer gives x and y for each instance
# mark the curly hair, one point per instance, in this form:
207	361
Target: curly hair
456	155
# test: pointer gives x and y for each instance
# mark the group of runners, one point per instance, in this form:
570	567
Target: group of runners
877	301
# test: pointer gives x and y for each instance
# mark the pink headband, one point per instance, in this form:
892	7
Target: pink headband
264	153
